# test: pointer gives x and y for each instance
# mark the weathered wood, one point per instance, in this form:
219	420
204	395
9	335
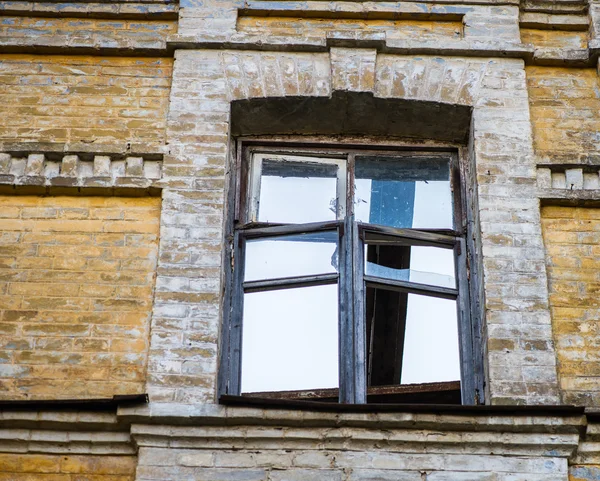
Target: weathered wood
267	230
290	282
236	327
346	351
390	235
359	324
411	287
433	387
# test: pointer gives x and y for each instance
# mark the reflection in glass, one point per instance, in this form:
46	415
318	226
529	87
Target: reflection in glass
424	265
404	193
291	255
297	192
290	339
410	338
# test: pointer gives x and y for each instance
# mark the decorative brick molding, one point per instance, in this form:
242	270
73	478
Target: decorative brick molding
575	183
73	170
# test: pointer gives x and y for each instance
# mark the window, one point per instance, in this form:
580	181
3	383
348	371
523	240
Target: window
349	277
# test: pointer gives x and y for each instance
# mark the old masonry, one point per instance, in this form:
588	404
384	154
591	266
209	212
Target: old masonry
283	240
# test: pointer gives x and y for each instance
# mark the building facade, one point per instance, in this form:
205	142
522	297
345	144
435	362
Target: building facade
148	148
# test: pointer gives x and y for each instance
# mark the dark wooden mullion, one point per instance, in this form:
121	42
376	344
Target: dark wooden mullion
473	273
235	331
250	231
345	344
418	237
359	315
290	282
411	287
233	212
465	334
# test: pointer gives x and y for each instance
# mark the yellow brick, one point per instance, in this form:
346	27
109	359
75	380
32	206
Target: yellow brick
574	284
554	38
72	299
124	465
85	77
31	463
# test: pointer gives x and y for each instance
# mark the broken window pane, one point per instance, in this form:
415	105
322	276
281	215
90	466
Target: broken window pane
291	255
410	338
290	339
420	264
297	192
405	193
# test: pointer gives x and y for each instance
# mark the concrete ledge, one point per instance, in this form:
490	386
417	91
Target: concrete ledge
219	415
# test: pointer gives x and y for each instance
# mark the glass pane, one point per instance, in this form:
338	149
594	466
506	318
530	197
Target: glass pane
431	341
403	192
411	338
297	192
290	339
292	255
424	265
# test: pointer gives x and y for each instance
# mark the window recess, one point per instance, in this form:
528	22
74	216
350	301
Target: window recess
349	279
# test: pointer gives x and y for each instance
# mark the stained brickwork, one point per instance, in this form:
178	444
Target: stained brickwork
584	473
572	237
76	280
70	99
44	467
564	103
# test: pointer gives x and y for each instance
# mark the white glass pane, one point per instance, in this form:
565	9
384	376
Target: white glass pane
290	339
403	192
297	192
431	351
293	255
428	265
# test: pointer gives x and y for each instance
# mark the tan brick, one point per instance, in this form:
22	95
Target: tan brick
94	83
573	287
69	310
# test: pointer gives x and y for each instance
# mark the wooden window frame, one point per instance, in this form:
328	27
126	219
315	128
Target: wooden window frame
242	225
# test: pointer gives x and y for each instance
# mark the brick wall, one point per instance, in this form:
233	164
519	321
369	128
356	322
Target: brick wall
76	286
564	103
572	238
84	99
47	467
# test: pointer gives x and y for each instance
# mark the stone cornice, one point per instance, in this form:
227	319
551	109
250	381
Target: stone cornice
221	427
220	415
245	428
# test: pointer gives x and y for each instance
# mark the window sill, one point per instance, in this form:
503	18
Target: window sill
454	409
